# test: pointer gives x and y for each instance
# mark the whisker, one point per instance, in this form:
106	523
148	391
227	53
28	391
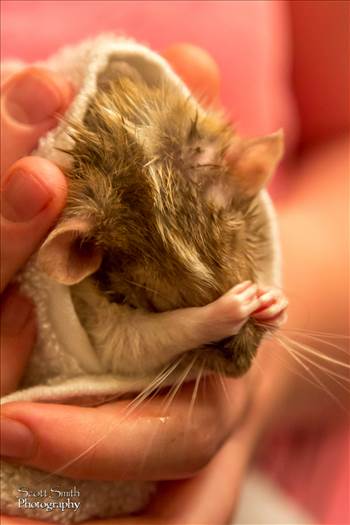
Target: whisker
133	405
318	354
167	401
144	287
160	378
220	377
195	393
331	375
315	338
303	331
177	387
318	332
292	370
321	385
329	371
256	363
158	381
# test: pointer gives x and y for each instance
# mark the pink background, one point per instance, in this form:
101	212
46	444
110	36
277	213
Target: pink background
249	41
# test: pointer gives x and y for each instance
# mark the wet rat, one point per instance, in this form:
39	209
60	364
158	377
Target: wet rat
168	238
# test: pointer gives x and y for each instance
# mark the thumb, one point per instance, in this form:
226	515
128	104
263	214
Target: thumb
30	102
33	193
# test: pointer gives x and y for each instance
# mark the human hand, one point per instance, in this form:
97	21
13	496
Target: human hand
32	431
32	195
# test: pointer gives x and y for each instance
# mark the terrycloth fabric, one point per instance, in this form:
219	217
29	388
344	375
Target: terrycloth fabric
64	366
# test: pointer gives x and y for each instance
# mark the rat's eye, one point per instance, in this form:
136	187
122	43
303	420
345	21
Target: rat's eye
118	298
130	303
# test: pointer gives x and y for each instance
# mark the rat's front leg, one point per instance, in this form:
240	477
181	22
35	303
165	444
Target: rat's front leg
163	336
134	341
188	328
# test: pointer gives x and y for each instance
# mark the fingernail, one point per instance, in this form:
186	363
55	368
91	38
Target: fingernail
34	96
23	196
16	310
17	440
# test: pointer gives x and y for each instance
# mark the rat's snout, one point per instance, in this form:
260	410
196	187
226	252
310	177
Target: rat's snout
233	355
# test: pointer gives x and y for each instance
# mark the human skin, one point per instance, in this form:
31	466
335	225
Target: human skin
314	192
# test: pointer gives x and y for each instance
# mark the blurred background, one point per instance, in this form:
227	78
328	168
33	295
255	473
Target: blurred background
283	64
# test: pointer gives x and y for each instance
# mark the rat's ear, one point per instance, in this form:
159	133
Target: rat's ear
256	161
67	255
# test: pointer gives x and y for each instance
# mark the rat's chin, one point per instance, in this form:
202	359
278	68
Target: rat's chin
222	361
210	360
232	356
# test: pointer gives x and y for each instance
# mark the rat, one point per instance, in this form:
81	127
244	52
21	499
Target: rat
167	239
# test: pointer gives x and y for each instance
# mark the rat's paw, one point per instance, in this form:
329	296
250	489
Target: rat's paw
272	309
240	302
229	313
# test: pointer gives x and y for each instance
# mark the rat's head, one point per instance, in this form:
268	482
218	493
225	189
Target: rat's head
164	207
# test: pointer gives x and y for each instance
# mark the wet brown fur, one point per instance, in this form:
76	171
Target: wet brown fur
142	173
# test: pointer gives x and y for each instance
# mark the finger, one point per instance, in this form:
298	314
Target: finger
32	196
107	443
265	300
248	294
18	330
197	69
251	307
269	298
272	311
280	319
30	102
240	287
